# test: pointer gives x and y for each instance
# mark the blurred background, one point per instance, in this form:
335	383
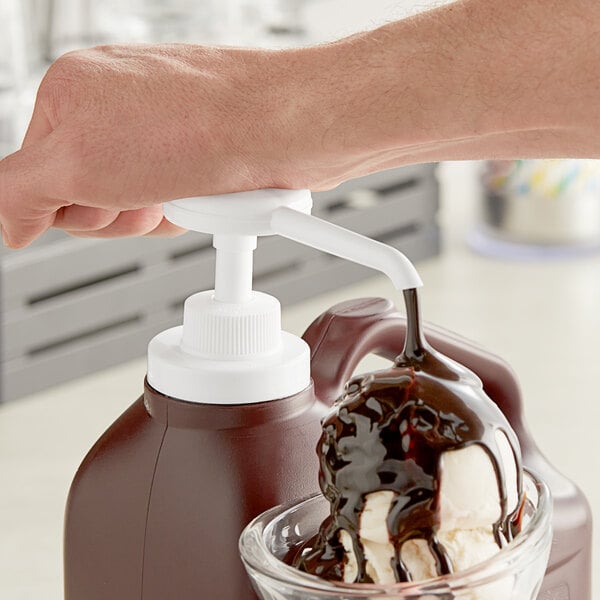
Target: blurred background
509	252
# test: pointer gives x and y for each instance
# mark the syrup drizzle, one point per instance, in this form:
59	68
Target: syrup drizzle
388	432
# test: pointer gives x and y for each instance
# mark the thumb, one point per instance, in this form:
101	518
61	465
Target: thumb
26	211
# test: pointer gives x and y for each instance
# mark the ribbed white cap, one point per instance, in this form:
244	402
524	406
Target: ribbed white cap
229	353
225	331
185	376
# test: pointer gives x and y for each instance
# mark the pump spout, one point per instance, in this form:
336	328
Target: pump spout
327	237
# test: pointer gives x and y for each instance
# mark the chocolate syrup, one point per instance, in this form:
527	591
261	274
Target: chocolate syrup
388	431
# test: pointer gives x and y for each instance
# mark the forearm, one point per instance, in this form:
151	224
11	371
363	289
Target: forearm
470	80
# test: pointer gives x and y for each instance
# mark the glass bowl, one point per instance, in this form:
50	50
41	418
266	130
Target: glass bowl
514	573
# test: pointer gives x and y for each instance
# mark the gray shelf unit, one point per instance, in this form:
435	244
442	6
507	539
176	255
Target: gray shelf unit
73	306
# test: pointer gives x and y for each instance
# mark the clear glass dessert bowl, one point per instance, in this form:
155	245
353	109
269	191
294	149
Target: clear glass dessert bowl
514	573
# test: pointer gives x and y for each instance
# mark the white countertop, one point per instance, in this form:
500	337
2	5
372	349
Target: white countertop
542	317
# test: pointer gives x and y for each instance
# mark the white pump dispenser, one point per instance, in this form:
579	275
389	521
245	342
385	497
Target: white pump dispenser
231	349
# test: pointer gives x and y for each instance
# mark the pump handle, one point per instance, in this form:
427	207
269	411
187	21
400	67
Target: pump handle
236	219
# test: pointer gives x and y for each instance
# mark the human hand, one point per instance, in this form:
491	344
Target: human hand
118	130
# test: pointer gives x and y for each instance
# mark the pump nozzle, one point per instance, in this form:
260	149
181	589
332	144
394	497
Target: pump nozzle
325	236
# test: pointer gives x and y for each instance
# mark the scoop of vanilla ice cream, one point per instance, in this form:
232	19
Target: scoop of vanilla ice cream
469	505
469	487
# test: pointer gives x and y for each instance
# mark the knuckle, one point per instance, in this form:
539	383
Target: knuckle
70	62
146	221
59	89
100	220
67	68
91	220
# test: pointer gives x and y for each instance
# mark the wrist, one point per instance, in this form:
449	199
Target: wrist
326	129
367	102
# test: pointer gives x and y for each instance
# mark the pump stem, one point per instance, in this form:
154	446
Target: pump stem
233	270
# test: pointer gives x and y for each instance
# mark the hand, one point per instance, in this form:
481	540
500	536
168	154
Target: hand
118	130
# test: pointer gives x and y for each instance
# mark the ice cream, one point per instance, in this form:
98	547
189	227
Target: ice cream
422	471
469	505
